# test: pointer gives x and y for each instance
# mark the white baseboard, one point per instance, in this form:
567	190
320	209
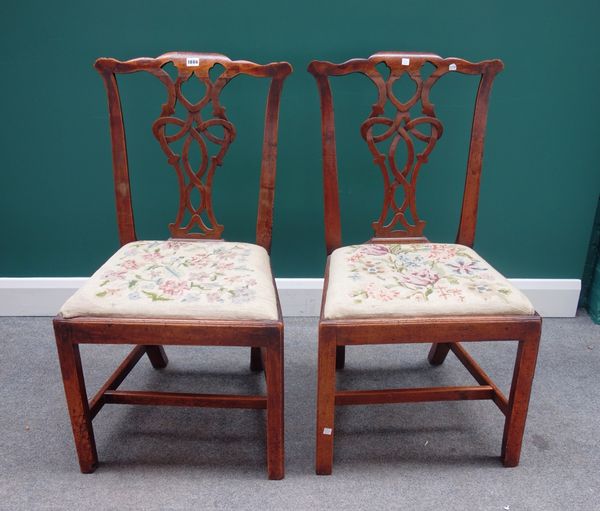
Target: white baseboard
552	298
299	297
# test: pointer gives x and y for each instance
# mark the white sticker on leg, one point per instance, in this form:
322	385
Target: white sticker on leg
327	431
405	61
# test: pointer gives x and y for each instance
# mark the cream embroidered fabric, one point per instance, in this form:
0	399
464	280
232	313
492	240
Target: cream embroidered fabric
417	279
180	279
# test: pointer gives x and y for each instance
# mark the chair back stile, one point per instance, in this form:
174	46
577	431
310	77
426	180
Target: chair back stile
194	220
399	221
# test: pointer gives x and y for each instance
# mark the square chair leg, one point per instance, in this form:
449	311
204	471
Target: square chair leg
438	353
158	357
275	409
518	402
256	362
325	402
79	412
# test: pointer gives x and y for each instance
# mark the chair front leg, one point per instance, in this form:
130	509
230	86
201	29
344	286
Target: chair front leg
158	357
325	401
77	402
518	402
275	409
438	352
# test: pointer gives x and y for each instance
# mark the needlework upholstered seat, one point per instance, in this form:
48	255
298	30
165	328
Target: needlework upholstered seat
180	279
417	279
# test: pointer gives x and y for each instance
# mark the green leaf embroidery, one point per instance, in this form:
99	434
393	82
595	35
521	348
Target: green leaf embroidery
102	293
132	283
155	297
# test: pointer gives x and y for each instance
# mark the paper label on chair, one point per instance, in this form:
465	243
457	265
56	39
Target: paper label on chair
192	61
327	431
405	61
452	67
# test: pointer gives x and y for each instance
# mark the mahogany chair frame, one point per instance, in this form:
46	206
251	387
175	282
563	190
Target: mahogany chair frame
445	332
265	338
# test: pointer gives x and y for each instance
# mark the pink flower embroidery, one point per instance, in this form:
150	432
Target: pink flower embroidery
173	245
445	293
198	260
441	252
380	293
115	275
222	265
153	256
421	278
173	287
130	264
374	250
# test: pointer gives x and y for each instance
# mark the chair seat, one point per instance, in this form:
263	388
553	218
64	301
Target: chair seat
417	279
184	279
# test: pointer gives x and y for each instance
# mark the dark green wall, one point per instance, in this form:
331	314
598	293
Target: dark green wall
541	173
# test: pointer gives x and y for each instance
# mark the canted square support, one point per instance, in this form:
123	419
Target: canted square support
83	412
514	408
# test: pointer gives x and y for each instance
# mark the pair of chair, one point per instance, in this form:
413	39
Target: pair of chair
195	289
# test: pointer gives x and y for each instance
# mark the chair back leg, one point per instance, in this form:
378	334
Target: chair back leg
437	353
340	357
256	359
158	357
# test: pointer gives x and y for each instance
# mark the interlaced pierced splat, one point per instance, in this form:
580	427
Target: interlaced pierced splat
194	130
387	134
401	129
204	126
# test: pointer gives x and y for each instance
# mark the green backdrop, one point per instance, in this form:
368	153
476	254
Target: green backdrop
541	173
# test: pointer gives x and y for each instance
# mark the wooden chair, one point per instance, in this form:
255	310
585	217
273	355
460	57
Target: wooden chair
400	288
193	289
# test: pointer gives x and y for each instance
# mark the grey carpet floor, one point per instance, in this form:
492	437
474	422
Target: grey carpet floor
409	457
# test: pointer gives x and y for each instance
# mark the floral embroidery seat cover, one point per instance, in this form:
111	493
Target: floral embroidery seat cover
417	279
183	279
